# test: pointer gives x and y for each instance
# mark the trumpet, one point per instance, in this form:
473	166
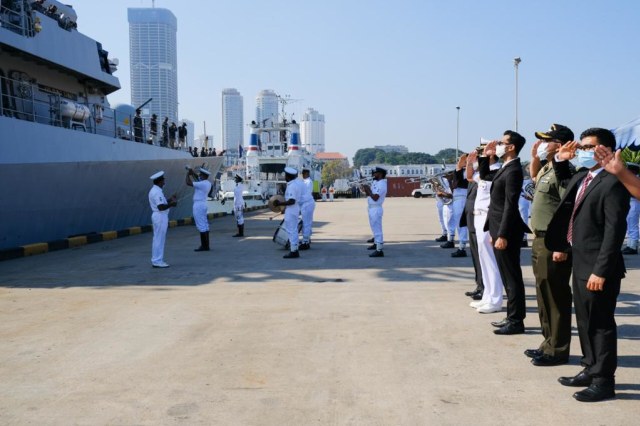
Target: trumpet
360	182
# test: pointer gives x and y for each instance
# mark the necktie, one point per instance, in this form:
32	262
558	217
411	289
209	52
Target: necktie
583	189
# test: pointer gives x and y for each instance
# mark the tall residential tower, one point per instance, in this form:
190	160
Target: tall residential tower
154	61
232	123
267	115
312	131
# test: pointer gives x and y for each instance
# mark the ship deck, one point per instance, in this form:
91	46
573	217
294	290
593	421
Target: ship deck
238	335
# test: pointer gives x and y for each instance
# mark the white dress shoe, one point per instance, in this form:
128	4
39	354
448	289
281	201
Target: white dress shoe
488	309
160	265
476	304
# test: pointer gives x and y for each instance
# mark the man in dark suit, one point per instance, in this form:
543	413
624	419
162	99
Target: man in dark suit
591	219
505	225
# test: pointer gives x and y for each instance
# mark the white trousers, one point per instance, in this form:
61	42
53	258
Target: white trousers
200	216
490	274
632	223
307	210
440	207
291	216
160	223
375	222
239	212
452	214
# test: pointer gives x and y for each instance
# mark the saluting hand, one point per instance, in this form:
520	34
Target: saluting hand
611	162
490	149
595	283
534	149
471	158
568	150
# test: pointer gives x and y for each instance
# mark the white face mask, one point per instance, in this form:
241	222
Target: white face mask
475	165
543	151
501	150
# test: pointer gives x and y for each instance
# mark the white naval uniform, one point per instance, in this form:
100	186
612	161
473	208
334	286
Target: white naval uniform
632	223
492	295
238	203
200	191
160	221
375	211
294	191
307	206
452	213
440	207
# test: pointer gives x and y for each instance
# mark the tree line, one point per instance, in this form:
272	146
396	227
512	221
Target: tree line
368	156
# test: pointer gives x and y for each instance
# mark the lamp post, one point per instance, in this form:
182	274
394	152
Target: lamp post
516	62
457	132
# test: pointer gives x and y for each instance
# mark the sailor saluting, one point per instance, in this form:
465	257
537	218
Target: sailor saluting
202	187
160	219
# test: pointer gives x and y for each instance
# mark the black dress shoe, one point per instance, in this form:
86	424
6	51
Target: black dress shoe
377	253
509	329
581	379
291	255
629	250
370	240
476	291
441	239
595	393
372	247
448	244
459	253
477	296
501	323
304	246
545	360
533	353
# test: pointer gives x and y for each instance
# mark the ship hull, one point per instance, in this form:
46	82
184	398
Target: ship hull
56	183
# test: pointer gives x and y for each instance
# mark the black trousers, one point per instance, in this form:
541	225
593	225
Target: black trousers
508	261
473	246
597	328
553	292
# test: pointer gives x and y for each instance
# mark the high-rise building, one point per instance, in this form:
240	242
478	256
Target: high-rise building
267	115
154	61
312	131
232	123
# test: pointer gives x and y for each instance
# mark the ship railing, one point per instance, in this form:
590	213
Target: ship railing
23	99
15	16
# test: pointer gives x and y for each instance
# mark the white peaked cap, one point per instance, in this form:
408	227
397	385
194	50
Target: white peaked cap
205	171
290	171
157	175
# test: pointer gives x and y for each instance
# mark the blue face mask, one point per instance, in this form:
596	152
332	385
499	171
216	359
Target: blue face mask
586	159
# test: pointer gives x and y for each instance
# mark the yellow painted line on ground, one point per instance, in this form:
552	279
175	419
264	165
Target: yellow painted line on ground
109	235
37	248
77	241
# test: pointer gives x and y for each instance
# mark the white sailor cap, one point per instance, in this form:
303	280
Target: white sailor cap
157	175
290	171
205	171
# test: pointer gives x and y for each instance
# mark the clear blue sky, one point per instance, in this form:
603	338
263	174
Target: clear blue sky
393	72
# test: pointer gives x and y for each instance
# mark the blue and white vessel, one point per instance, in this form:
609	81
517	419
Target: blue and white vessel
69	164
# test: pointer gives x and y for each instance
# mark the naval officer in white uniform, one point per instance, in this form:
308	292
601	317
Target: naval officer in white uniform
238	205
307	207
160	219
292	196
201	187
376	193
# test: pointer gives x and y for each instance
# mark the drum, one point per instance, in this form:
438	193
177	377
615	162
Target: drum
281	236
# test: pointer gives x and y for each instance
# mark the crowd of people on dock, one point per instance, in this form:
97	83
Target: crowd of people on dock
577	200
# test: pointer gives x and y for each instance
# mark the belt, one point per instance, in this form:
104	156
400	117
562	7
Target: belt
480	212
540	234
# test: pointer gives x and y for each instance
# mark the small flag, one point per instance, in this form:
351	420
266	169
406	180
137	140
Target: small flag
240	150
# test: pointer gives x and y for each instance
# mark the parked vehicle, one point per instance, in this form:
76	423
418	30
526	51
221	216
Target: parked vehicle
425	190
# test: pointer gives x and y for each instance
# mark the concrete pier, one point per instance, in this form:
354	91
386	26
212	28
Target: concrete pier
240	336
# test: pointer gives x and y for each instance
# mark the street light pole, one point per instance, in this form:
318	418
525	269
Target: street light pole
516	62
457	132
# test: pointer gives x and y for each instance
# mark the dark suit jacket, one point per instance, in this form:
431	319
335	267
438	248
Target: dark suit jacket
599	226
503	219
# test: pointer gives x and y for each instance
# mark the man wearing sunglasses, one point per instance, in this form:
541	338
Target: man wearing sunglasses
591	222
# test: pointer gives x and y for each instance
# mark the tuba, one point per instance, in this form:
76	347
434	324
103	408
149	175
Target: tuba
438	185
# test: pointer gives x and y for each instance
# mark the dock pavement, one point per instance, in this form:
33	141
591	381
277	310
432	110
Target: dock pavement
240	336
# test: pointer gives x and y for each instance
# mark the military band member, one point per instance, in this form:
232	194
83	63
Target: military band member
440	207
160	219
376	194
307	206
292	195
552	271
238	205
460	186
201	188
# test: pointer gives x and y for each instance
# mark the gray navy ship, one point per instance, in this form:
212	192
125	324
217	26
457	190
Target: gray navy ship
69	162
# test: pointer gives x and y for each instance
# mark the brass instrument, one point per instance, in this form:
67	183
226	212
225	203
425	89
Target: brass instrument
438	185
361	182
